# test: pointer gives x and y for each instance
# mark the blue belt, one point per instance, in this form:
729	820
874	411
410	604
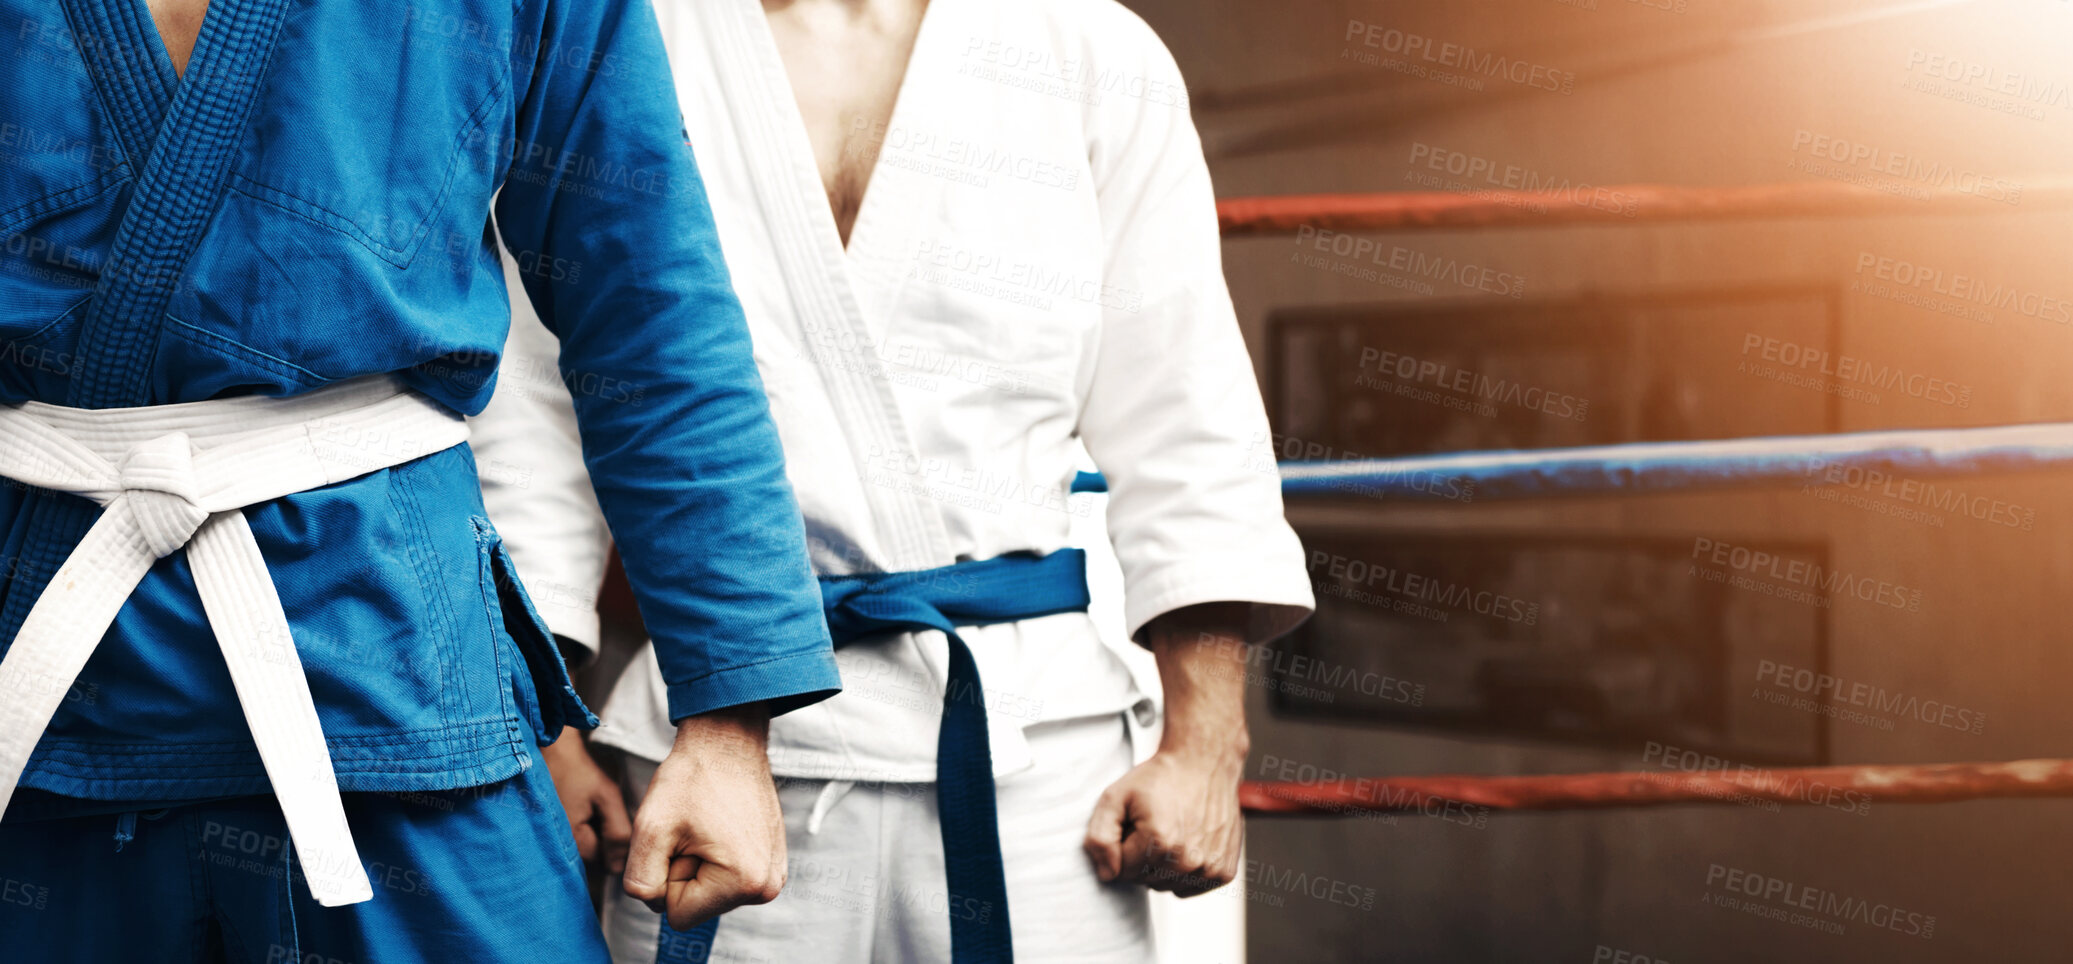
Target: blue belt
1005	589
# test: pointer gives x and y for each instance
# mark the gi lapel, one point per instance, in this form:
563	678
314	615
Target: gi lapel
179	187
830	324
130	70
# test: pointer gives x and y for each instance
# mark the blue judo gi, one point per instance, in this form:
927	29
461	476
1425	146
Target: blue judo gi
318	199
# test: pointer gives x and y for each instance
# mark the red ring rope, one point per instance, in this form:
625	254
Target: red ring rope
1608	204
1912	783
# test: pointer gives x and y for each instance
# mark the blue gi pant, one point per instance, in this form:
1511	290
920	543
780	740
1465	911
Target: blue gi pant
479	874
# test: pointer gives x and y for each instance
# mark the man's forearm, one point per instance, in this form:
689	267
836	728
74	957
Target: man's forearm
1201	656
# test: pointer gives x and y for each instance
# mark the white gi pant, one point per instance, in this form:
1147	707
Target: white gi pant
866	869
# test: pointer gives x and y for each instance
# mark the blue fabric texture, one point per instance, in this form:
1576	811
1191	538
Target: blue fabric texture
214	882
1005	589
312	202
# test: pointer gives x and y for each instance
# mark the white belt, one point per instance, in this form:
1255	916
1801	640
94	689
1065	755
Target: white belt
177	475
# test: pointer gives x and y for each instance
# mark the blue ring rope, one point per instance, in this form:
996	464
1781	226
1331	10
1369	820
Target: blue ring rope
1657	467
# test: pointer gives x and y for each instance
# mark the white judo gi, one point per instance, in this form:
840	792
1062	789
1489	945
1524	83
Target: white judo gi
1034	277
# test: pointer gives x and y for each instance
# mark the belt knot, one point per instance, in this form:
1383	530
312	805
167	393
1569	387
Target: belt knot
840	599
865	605
157	478
842	590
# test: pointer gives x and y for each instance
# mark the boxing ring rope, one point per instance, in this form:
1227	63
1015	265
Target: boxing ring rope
1651	467
1657	467
1815	786
1612	204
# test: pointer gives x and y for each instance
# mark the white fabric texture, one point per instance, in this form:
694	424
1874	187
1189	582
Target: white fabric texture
868	886
561	546
1034	276
174	476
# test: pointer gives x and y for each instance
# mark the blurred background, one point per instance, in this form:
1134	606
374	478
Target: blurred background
1634	651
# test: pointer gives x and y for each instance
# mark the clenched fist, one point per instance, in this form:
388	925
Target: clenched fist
1173	822
709	836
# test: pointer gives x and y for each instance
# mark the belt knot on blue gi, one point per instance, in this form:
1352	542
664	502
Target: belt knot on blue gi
1008	588
1003	589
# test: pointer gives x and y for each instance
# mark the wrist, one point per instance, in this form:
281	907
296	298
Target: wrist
734	733
567	746
1222	747
1202	660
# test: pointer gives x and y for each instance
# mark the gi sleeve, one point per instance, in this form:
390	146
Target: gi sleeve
602	200
1172	412
530	459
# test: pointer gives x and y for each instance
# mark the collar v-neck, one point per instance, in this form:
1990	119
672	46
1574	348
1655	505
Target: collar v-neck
180	137
131	69
917	54
165	40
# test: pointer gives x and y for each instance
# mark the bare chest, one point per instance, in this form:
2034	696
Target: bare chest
846	67
179	24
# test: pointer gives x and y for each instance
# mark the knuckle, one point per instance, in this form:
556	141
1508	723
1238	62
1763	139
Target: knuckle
761	886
